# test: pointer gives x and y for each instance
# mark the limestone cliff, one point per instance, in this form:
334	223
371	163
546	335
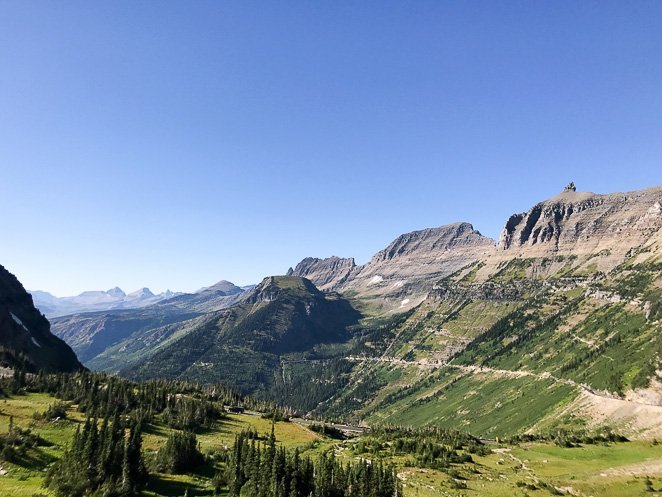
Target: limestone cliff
585	222
326	273
400	275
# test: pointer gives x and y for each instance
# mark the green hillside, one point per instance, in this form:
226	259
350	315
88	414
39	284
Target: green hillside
255	345
41	419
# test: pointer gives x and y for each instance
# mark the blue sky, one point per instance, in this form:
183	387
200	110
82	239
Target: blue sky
174	144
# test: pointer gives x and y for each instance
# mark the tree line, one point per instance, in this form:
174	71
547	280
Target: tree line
260	469
105	461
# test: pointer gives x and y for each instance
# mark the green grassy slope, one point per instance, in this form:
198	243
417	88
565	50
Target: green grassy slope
255	346
537	468
536	342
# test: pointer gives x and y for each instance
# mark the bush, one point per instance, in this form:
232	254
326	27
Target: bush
329	431
58	410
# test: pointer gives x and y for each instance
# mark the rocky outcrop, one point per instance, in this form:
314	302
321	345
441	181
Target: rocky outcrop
406	269
327	273
581	222
25	336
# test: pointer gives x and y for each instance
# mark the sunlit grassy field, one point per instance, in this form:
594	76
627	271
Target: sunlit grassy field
26	480
533	469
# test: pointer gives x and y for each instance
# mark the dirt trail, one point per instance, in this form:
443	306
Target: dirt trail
645	468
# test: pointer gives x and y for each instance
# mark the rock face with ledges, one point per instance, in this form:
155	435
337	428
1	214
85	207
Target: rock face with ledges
400	275
326	273
583	222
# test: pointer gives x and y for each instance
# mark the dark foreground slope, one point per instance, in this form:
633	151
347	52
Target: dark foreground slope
25	337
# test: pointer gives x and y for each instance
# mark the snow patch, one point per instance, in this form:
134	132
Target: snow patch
18	321
404	302
398	284
35	342
375	279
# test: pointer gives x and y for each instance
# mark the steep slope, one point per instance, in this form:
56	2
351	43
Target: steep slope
587	232
398	277
90	334
560	324
327	274
25	336
557	325
243	346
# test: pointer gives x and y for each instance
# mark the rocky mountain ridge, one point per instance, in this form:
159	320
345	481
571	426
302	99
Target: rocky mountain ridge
593	229
574	283
587	222
400	275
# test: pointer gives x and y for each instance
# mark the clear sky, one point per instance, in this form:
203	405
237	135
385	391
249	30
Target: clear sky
174	144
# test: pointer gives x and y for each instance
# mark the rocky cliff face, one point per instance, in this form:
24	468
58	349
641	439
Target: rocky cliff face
327	273
400	275
581	222
589	231
428	253
25	333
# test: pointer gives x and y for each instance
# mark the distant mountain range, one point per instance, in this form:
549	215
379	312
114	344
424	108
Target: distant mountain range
90	301
91	333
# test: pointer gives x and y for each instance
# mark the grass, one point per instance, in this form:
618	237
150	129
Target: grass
614	470
482	404
25	480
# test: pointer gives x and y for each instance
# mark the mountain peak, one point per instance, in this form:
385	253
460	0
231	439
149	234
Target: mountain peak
142	293
223	287
25	335
116	292
594	221
272	287
433	239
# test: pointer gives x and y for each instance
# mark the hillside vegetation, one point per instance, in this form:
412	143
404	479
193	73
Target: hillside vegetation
40	430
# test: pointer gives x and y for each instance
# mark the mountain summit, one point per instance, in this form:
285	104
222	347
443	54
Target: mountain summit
581	223
400	275
282	317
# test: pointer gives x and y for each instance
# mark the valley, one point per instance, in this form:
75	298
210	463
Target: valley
504	364
501	468
438	317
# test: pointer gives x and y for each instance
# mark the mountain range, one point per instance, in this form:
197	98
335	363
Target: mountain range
558	322
100	300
